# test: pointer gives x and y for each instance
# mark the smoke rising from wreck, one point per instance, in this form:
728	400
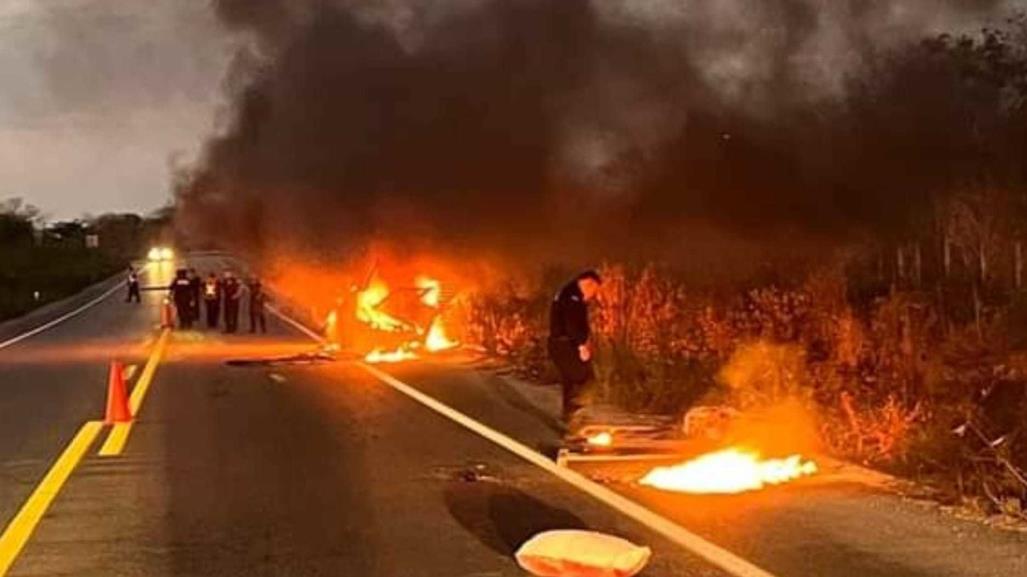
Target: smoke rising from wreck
582	129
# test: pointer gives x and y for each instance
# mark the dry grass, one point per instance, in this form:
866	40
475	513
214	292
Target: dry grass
888	380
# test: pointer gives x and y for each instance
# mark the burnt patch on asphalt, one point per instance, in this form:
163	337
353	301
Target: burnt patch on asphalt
502	517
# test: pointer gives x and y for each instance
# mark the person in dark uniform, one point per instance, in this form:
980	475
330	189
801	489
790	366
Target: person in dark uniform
182	296
569	346
212	299
257	300
133	286
231	293
196	284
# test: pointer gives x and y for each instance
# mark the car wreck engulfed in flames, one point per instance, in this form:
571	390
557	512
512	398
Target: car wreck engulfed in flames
390	325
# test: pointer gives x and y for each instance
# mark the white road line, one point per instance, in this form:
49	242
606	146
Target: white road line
66	316
298	325
62	318
714	554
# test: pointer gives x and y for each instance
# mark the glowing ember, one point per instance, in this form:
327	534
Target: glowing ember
603	439
728	471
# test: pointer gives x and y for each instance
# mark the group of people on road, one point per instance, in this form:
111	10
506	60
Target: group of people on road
212	297
219	297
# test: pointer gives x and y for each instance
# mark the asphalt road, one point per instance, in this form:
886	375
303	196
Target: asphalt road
322	469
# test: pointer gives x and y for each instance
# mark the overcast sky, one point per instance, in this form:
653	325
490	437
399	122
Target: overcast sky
97	95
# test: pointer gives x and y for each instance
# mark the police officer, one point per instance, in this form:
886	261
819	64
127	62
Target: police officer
133	286
182	296
569	346
195	284
232	292
212	299
257	300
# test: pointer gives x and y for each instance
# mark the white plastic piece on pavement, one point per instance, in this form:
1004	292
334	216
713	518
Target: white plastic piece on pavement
574	553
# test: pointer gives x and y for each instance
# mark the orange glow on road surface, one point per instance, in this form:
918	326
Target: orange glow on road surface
728	471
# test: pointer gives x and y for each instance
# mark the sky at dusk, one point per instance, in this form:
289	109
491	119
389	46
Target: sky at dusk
99	96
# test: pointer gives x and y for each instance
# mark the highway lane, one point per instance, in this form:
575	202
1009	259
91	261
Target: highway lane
825	526
52	382
324	470
305	470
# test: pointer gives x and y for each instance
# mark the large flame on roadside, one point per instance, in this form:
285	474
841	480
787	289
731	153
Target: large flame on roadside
732	470
431	338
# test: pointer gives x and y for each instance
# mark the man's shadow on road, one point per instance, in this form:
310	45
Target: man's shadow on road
502	517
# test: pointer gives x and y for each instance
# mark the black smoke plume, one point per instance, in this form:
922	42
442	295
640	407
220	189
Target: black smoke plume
583	129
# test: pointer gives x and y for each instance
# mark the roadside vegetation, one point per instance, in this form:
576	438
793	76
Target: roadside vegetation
43	262
910	349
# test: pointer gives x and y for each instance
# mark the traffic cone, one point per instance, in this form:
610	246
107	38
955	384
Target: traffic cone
118	410
167	319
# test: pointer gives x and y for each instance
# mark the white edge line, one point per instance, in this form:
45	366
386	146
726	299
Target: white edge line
713	554
296	324
65	316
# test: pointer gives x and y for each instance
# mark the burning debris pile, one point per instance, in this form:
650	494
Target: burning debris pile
737	452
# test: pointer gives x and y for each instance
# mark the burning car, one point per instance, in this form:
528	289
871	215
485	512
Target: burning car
391	324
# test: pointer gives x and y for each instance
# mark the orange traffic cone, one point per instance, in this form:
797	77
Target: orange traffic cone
118	410
167	315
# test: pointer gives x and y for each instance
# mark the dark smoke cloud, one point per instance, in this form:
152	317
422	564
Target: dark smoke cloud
525	125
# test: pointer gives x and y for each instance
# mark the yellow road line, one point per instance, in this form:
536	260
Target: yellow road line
116	440
24	523
118	436
143	385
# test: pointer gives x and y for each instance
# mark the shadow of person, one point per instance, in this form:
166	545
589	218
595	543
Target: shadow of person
502	517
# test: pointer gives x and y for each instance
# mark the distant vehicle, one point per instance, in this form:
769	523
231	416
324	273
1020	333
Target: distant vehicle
160	254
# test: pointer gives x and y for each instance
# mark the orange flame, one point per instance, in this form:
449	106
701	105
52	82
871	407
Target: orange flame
369	310
396	356
602	439
433	339
729	471
431	291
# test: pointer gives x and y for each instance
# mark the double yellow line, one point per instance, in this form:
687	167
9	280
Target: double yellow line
18	532
118	436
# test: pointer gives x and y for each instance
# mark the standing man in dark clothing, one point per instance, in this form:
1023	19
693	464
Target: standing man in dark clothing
133	286
195	284
232	292
182	296
257	300
212	300
569	345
